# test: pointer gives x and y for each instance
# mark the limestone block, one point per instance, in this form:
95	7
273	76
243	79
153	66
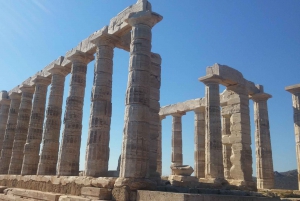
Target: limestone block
104	182
35	194
96	193
183	170
73	198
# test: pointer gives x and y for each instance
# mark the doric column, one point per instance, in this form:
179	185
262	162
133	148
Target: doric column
226	145
135	149
50	140
159	146
154	123
16	161
10	132
214	168
35	130
97	150
295	91
68	162
4	108
264	160
199	140
240	138
177	158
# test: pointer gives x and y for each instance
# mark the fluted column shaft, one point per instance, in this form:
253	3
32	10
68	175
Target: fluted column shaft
4	109
97	150
264	160
135	148
35	130
50	140
68	162
226	146
10	132
177	158
159	147
21	130
154	123
199	140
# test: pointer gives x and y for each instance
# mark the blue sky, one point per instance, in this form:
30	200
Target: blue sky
258	38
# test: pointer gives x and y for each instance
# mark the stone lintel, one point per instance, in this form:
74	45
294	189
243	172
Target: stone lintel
293	89
102	37
144	17
260	97
26	88
162	117
58	69
79	56
178	114
37	79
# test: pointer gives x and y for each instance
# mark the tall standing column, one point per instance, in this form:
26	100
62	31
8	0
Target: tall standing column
295	91
199	140
4	109
97	150
155	82
226	146
159	146
10	132
264	160
135	148
177	158
68	162
35	130
16	161
50	140
214	168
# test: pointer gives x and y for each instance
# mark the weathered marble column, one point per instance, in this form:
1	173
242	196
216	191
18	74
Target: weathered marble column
264	160
199	140
10	132
16	161
4	109
68	161
177	158
50	140
295	91
97	150
159	146
154	123
214	168
135	149
226	145
240	138
35	130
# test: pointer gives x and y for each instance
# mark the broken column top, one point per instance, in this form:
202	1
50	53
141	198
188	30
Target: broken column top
294	89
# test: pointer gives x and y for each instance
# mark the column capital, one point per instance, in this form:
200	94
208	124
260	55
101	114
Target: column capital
57	69
210	79
79	56
199	110
178	114
26	88
144	17
102	37
38	79
260	97
294	89
161	117
5	102
14	95
237	88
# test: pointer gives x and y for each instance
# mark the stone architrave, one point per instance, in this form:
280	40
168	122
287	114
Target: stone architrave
295	91
4	109
240	135
68	161
50	140
264	160
214	169
159	146
97	150
16	161
35	130
226	146
10	132
135	148
177	158
199	140
154	123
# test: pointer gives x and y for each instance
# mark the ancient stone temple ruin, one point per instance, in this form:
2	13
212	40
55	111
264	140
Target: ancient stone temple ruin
223	157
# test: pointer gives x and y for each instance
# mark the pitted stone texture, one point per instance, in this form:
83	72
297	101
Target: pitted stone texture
68	162
35	130
97	150
4	109
21	130
264	160
176	140
199	140
96	193
10	132
33	194
135	149
51	133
